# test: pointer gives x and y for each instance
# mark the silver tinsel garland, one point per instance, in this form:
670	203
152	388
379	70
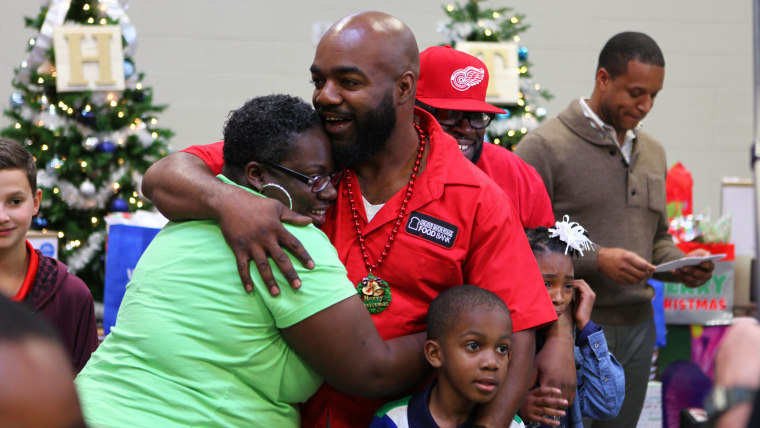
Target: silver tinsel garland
72	194
86	252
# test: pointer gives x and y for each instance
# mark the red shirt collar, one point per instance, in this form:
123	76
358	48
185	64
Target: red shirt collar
31	273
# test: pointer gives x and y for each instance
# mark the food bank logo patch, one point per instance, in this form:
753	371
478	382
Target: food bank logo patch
431	229
465	78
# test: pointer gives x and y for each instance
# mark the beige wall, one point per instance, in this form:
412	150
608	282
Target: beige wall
207	57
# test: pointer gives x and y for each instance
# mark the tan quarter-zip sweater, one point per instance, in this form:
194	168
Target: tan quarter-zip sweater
621	205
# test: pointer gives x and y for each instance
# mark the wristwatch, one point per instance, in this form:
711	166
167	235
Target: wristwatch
722	399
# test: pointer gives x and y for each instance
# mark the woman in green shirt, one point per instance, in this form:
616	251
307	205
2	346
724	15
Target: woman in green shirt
191	348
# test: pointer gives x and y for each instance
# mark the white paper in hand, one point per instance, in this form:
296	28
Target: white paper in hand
687	261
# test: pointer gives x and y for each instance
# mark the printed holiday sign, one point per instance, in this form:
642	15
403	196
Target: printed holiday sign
709	304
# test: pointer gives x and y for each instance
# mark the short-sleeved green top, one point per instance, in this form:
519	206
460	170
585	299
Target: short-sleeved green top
191	348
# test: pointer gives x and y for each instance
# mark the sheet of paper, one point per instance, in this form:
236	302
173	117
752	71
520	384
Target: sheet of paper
687	261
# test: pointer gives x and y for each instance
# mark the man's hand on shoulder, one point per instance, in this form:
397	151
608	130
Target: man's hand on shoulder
623	266
183	187
253	229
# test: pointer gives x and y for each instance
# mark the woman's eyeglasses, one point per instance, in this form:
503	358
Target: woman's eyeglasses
318	183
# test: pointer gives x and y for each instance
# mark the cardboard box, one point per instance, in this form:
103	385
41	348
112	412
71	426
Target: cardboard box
46	242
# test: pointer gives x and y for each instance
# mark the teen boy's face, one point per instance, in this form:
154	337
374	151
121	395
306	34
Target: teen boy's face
19	205
558	273
475	353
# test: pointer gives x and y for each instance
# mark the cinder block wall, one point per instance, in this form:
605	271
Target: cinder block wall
204	58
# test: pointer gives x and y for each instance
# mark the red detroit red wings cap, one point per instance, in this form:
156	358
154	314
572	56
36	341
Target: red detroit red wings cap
453	80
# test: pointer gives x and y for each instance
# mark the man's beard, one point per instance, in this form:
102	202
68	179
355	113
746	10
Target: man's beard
372	135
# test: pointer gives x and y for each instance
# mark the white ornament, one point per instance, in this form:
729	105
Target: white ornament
91	142
87	188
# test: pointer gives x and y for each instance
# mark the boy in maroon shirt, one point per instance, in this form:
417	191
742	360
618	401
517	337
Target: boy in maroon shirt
41	283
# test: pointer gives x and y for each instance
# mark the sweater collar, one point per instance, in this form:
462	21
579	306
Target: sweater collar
576	119
596	122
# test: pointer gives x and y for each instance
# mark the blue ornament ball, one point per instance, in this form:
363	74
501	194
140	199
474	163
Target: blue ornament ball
39	223
17	100
87	117
504	116
129	69
107	147
119	205
522	53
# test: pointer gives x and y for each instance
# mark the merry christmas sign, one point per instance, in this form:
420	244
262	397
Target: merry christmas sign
709	304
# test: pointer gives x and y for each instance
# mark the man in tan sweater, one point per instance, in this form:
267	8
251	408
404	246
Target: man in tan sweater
610	177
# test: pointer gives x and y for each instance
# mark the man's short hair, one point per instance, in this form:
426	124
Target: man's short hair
447	308
18	324
263	128
13	155
629	46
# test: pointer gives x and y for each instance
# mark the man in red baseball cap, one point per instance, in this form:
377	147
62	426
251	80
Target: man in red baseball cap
452	87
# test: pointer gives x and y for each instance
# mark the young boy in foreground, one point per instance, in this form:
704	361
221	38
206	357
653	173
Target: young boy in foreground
469	336
37	388
41	283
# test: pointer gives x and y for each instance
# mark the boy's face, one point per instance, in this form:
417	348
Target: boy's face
472	359
558	273
19	205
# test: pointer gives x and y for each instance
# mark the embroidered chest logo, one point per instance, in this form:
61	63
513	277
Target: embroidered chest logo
431	229
465	78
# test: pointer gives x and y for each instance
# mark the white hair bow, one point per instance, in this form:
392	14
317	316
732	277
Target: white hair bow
572	234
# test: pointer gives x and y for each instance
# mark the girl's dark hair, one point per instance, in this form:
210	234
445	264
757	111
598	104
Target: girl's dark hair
541	242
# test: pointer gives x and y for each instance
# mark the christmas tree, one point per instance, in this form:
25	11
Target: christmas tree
470	22
91	146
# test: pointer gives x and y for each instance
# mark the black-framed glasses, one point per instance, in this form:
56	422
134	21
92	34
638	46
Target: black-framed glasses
478	120
318	183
